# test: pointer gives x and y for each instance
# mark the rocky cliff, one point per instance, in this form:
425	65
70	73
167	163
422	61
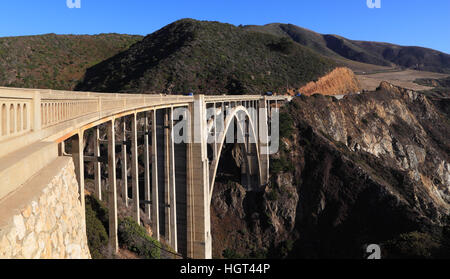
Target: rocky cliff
370	168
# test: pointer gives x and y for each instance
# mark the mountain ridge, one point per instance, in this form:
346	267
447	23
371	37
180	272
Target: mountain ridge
209	58
377	53
61	61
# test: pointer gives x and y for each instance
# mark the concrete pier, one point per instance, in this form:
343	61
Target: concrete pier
172	184
155	188
135	169
124	166
112	190
147	183
199	240
97	164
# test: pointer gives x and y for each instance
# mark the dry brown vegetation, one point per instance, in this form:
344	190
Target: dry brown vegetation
340	81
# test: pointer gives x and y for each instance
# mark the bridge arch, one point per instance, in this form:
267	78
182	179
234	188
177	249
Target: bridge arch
234	114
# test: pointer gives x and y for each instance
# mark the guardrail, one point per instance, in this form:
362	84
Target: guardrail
16	113
26	110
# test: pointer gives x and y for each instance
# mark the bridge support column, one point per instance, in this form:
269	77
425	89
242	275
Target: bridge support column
97	164
134	169
172	186
248	153
198	195
61	149
263	140
167	178
215	146
253	165
147	168
78	159
112	190
155	192
124	164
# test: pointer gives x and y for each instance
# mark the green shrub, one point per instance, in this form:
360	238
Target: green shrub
412	245
273	195
135	238
259	254
276	166
286	247
286	125
96	224
280	165
231	254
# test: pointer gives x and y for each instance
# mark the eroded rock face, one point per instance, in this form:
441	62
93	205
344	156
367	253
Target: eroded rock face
393	124
364	170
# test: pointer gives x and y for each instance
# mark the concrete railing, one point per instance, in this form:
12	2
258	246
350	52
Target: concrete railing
15	114
27	110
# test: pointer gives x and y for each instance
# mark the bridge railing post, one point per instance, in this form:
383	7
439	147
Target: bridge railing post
37	121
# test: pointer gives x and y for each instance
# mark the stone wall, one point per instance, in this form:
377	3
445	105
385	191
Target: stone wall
45	219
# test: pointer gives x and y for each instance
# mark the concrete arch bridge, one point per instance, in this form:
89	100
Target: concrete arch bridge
182	138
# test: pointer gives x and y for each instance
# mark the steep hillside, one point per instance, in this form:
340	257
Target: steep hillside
374	53
55	61
210	58
369	168
303	36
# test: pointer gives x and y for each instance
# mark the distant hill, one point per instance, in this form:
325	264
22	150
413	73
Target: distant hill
199	56
210	58
342	50
55	61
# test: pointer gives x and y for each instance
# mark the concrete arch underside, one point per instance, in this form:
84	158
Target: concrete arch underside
234	115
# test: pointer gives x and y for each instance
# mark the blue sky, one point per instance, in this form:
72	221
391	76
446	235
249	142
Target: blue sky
405	22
